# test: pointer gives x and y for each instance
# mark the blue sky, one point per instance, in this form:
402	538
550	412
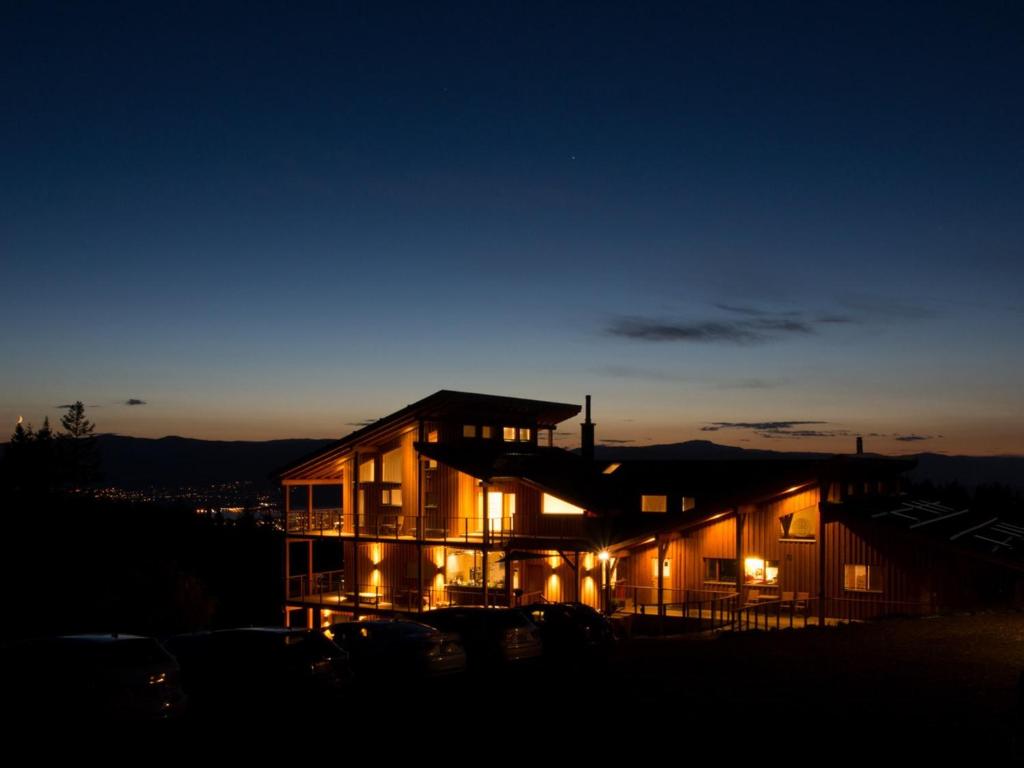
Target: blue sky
269	221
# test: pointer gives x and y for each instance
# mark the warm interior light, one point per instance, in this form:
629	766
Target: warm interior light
552	505
611	468
603	555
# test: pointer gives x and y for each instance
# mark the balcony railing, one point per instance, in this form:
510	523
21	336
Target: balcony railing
394	525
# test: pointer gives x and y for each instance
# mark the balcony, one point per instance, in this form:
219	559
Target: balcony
398	527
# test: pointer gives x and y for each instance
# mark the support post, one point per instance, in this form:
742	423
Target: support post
739	564
822	552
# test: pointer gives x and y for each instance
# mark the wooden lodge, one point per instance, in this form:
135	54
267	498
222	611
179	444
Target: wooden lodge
461	499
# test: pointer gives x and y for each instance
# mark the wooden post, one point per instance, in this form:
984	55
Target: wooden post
419	523
487	537
822	552
739	564
662	549
578	591
287	578
355	534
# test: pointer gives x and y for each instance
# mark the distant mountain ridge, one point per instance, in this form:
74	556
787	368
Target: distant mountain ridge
969	471
138	462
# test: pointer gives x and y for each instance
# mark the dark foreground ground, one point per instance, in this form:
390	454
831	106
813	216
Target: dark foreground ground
939	688
943	690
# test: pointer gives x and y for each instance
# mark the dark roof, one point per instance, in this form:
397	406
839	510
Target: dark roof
446	405
984	533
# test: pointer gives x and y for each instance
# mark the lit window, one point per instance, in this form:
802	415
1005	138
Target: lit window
611	468
391	466
366	473
501	509
758	571
525	435
653	503
391	497
552	505
719	569
510	434
688	503
469	430
486	433
862	578
654	568
432	436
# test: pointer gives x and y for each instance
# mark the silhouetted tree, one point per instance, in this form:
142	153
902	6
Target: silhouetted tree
18	457
79	444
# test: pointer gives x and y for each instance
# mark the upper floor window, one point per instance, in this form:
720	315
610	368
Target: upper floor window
552	505
391	465
469	430
650	503
525	434
688	503
366	471
509	434
486	432
432	436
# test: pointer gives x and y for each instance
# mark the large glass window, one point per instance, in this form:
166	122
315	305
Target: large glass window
720	569
464	567
366	471
391	466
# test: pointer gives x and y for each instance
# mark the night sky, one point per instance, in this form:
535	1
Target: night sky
772	224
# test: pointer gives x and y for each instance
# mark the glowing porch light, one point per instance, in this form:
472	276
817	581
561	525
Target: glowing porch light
603	556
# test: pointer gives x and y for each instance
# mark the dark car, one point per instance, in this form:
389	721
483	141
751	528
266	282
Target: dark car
398	650
572	630
92	677
491	636
260	670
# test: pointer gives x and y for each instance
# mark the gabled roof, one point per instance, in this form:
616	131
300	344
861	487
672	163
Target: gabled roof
443	405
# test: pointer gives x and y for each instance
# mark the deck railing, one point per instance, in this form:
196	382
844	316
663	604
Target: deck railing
395	525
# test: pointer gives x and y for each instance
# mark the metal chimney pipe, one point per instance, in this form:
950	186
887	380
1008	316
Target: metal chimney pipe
860	445
587	435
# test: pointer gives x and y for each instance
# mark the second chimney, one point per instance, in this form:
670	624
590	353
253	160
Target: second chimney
587	436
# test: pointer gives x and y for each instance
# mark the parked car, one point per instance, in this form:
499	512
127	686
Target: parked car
92	677
383	649
260	670
490	635
572	630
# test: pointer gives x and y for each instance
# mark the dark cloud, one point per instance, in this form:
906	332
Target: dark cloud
609	441
799	433
768	426
911	438
363	423
134	401
749	384
753	330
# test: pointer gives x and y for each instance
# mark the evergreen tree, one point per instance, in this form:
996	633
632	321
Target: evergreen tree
79	443
74	422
